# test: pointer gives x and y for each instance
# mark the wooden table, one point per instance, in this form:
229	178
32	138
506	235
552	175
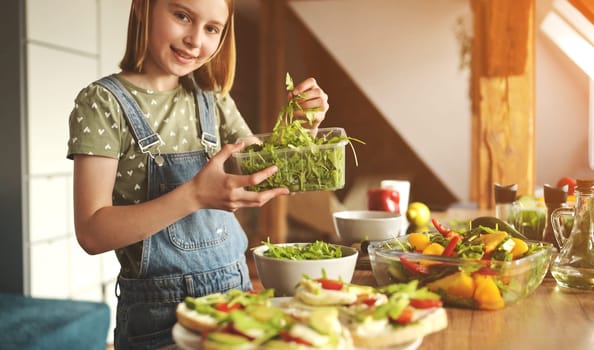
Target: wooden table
551	318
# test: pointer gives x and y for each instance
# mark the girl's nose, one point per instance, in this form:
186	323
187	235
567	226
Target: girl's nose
193	39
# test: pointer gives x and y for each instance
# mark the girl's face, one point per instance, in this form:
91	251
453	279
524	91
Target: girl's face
184	34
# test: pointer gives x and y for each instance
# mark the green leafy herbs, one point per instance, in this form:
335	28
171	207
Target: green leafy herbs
317	250
306	162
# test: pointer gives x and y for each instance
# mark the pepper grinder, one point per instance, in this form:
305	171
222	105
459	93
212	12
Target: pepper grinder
555	197
504	198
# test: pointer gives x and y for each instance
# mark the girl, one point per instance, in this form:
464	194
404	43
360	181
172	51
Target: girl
149	178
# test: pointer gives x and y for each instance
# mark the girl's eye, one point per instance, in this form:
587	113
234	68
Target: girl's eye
213	29
182	16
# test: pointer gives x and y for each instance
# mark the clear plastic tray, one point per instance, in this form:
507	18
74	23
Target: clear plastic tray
307	168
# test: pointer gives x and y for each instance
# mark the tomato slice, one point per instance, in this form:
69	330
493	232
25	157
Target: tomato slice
405	316
570	182
226	307
285	336
330	284
369	301
425	303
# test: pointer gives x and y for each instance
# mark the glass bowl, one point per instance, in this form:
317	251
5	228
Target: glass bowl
466	283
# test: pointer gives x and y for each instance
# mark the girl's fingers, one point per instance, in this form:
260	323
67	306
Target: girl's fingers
227	150
305	85
260	176
258	199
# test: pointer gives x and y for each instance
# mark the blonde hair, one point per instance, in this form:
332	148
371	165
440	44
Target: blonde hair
217	74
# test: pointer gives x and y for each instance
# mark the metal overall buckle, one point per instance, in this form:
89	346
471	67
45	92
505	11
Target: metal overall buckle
210	144
159	160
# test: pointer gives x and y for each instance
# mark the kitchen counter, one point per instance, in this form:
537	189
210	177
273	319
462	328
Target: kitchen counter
551	318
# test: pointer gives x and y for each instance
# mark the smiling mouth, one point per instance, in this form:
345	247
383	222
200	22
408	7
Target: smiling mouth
184	54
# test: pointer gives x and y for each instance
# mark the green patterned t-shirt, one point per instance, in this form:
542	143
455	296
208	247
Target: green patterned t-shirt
98	127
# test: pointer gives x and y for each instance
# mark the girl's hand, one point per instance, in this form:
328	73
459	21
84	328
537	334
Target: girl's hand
314	98
213	188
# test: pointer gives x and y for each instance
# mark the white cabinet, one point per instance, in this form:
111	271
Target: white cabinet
49	203
54	79
70	43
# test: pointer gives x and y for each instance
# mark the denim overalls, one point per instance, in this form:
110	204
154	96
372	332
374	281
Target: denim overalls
200	254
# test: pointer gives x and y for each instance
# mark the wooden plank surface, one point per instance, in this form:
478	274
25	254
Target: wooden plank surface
551	318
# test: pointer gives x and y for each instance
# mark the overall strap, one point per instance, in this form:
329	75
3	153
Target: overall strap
141	130
206	110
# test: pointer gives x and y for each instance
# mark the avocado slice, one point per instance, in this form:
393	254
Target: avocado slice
246	324
227	338
323	320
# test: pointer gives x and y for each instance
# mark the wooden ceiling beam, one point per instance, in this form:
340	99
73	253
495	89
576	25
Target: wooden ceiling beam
503	98
586	7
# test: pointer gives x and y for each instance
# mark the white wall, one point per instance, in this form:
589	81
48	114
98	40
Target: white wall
404	55
83	40
562	122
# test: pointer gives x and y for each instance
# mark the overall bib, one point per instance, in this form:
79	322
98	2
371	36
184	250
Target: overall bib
200	254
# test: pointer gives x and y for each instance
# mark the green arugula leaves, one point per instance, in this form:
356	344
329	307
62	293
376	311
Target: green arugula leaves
306	162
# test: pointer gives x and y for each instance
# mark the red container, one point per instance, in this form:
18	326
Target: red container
383	199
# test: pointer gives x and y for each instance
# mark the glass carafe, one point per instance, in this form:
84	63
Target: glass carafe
574	265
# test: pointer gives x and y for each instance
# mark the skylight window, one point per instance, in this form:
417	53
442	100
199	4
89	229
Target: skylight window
572	33
571	28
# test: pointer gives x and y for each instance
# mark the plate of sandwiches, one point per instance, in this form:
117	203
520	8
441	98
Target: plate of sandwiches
323	314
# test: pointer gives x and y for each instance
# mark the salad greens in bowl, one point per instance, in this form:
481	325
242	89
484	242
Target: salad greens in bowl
479	268
281	266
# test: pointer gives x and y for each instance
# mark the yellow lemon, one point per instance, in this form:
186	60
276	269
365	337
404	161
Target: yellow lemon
418	214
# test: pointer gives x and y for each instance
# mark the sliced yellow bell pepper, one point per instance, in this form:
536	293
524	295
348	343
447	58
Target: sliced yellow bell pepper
519	249
487	294
492	240
418	240
434	249
459	284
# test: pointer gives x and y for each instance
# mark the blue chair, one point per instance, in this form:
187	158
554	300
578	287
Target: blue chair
35	323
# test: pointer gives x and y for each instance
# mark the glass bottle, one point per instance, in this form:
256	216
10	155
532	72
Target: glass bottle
504	198
555	197
574	265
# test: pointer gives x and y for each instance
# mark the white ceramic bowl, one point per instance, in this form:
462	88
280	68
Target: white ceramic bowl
355	226
284	275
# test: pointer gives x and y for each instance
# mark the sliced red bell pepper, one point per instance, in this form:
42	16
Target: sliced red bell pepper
414	267
425	303
330	284
486	271
451	247
442	229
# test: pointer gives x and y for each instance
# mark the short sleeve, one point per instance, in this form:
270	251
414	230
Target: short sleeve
95	124
232	124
